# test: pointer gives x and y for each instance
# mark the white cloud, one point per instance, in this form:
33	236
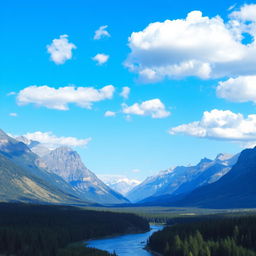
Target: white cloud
154	108
240	89
52	141
61	97
13	114
101	32
60	49
101	58
171	49
221	125
246	13
125	92
109	113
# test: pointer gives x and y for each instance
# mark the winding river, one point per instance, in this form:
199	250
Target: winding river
126	245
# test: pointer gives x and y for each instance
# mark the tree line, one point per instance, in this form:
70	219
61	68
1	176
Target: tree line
44	230
229	236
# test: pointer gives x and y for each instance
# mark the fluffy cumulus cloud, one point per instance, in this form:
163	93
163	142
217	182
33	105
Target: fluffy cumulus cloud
101	58
246	13
60	49
101	32
240	89
109	113
154	108
201	46
52	141
61	97
221	125
125	92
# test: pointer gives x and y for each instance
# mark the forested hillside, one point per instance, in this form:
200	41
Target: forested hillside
227	236
43	230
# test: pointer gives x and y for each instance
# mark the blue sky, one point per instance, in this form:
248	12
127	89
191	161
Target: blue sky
134	142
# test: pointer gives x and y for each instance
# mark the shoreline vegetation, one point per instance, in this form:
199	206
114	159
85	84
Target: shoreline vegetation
47	230
208	236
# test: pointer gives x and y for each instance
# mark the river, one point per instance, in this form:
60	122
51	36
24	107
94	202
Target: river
126	245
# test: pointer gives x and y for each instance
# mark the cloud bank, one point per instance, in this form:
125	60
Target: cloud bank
170	49
220	125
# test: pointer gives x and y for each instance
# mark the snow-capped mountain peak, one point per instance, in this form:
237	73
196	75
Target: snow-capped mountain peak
119	183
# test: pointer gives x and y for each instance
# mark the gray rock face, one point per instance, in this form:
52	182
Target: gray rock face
67	163
22	180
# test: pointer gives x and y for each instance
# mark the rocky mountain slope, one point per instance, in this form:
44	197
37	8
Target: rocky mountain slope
22	180
66	163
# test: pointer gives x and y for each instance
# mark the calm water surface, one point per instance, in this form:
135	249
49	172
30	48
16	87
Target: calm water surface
125	245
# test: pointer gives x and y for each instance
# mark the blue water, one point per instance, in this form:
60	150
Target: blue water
125	245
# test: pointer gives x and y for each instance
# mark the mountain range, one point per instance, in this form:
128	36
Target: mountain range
31	172
226	182
236	189
23	181
50	176
182	179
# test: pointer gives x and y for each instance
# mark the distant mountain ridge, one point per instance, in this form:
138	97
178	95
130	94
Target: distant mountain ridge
182	179
236	189
119	183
